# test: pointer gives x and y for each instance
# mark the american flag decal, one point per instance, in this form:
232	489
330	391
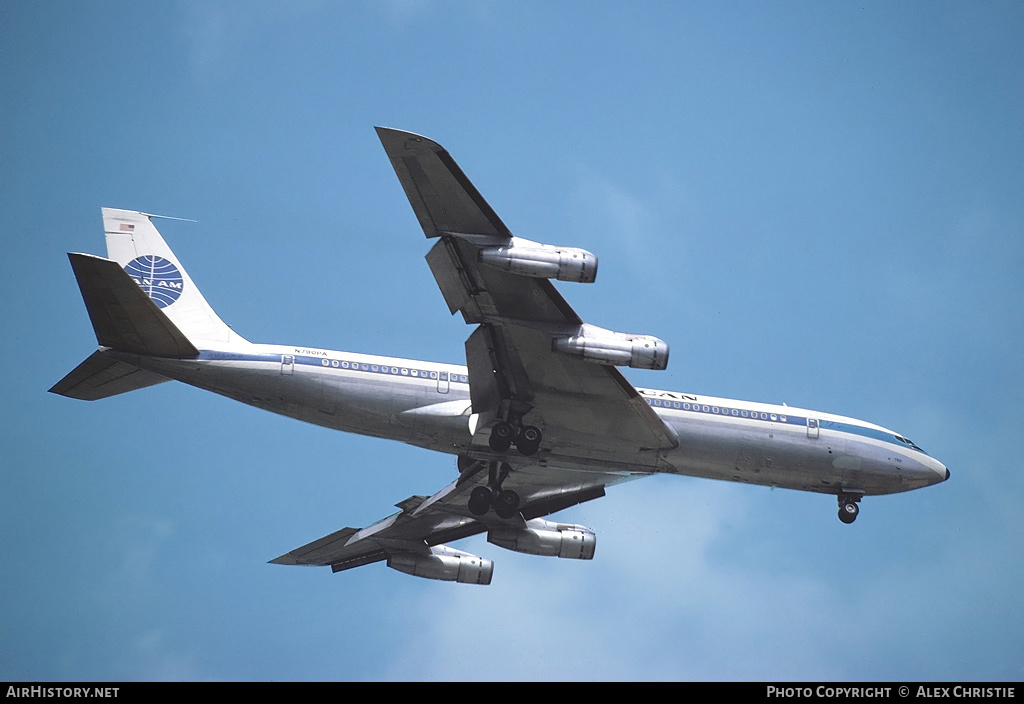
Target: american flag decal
125	227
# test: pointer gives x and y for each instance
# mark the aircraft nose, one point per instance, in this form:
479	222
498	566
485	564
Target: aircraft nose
931	471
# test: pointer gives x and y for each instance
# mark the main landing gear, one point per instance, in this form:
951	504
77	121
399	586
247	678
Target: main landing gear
526	438
848	508
482	499
505	502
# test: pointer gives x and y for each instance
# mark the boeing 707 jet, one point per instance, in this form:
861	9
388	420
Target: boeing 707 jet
539	418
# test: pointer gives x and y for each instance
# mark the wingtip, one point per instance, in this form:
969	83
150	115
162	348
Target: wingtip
381	130
397	141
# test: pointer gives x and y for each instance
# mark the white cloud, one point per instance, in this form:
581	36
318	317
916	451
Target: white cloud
151	659
220	35
636	222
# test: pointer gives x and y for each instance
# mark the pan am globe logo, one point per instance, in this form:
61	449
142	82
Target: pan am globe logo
157	277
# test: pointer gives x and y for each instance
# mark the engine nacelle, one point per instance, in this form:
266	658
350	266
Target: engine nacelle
544	262
542	537
620	349
444	563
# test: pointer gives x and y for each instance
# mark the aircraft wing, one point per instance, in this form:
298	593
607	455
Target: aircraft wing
597	430
583	408
424	524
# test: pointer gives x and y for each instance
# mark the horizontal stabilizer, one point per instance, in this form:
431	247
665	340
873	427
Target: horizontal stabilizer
123	316
99	376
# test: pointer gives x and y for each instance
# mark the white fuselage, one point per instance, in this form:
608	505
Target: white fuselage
427	404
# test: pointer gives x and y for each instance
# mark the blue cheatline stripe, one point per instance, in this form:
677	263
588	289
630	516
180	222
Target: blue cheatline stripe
712	409
334	363
869	433
216	356
693	407
768	417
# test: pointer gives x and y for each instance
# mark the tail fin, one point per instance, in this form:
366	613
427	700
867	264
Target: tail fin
134	242
141	301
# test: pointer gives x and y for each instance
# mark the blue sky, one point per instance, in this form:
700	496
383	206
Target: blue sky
818	204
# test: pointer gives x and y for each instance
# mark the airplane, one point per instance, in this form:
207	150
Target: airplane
540	418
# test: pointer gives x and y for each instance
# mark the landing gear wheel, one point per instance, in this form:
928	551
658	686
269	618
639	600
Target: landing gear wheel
528	441
480	500
507	504
848	512
502	435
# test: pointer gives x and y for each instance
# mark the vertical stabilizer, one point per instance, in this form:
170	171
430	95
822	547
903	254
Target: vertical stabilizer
134	242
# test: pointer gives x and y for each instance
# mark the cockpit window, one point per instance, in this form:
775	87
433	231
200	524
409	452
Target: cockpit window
909	443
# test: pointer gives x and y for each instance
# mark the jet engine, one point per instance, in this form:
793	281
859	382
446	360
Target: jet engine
444	563
542	537
543	262
602	346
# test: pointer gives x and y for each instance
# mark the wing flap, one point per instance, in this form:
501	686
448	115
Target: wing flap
591	406
450	279
365	559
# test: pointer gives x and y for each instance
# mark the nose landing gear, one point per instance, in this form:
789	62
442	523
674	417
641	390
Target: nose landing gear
848	508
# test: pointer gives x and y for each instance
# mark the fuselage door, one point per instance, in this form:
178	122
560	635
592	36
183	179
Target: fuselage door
287	364
812	428
442	382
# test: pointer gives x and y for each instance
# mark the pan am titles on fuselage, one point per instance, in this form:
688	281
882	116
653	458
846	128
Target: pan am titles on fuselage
539	417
